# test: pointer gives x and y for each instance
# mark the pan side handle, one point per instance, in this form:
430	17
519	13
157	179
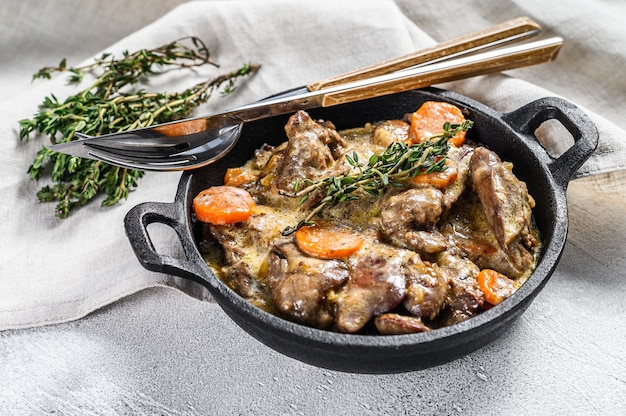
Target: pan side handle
528	118
171	214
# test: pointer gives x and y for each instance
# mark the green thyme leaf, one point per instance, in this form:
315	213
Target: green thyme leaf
111	104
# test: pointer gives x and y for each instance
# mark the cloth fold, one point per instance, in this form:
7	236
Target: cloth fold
55	270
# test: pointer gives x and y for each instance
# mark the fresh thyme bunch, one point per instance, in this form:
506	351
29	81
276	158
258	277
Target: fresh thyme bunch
108	105
398	163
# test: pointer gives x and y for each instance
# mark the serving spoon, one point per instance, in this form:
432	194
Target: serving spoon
196	142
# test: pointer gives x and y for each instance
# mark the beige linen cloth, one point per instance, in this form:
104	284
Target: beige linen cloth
55	270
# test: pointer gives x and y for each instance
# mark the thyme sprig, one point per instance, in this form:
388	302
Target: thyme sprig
398	163
111	104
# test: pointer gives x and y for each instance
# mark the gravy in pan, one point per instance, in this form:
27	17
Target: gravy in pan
425	252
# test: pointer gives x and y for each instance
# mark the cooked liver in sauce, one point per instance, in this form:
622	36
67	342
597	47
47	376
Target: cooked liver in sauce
421	246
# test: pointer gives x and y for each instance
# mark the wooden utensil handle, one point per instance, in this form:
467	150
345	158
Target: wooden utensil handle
487	63
513	29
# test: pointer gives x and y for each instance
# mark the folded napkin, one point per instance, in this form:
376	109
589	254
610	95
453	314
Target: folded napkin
55	270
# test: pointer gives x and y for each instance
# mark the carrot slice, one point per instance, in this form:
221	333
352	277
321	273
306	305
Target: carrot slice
439	180
495	285
221	205
429	119
327	241
238	176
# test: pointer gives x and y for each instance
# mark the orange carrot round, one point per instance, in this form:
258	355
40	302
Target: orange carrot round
439	180
429	119
221	205
238	176
495	285
326	241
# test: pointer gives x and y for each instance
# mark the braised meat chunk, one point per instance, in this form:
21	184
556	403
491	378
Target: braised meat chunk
506	205
299	284
409	219
376	229
308	154
238	274
245	249
377	284
396	324
427	288
465	299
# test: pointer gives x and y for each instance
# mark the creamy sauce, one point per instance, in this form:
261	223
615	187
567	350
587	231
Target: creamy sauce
247	248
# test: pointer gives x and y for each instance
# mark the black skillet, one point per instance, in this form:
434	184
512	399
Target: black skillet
511	135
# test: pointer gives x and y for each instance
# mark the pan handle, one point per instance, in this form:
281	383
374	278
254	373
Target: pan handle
171	214
528	118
